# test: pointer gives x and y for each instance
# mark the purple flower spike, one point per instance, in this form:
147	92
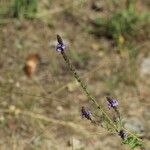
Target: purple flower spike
86	113
112	103
60	45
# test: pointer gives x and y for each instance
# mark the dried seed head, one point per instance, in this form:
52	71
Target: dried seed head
123	134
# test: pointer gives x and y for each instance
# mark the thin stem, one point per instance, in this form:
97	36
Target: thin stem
84	87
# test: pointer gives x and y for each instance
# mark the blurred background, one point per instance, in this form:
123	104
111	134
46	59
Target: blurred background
107	42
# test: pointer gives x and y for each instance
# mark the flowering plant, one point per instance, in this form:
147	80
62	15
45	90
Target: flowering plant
111	125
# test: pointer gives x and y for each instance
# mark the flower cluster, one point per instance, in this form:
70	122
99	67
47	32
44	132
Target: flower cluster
60	45
86	113
112	103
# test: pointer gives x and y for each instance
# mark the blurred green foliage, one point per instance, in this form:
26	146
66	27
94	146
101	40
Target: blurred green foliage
24	8
18	9
125	22
133	142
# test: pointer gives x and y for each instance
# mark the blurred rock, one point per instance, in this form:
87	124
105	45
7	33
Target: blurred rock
145	67
95	46
135	125
72	86
75	143
59	108
17	84
101	54
2	118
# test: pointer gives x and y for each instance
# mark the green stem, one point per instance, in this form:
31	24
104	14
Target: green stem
84	87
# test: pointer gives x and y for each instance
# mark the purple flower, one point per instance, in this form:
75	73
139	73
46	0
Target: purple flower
60	47
112	103
86	113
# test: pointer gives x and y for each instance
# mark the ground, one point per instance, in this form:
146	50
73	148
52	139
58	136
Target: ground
43	111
